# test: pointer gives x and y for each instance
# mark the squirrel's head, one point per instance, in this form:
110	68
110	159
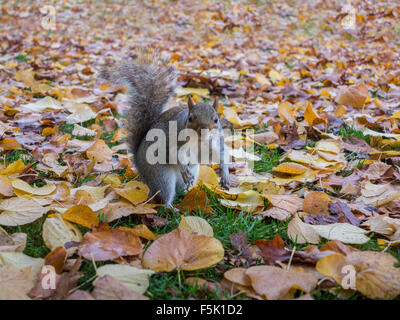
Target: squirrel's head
203	116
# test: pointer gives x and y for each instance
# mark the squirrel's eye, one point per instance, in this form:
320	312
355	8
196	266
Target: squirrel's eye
215	119
190	119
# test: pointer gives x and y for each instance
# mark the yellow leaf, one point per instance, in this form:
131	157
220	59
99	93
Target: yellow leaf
290	168
120	134
287	113
311	116
197	225
248	201
56	232
42	191
133	278
81	215
231	115
375	274
6	188
261	79
208	176
10	144
134	191
43	104
110	179
301	232
48	131
316	202
275	76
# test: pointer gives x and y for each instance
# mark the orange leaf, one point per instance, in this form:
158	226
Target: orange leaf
10	144
56	258
287	113
182	250
311	116
316	202
195	199
141	230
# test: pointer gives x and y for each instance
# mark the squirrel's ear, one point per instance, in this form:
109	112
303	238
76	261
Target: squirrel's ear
215	104
190	103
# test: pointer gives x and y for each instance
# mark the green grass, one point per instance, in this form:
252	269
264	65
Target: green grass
13	155
35	246
347	132
269	159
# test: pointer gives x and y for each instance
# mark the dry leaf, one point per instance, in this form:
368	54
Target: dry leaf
82	215
197	225
109	244
182	250
57	232
274	283
133	278
108	288
195	199
134	191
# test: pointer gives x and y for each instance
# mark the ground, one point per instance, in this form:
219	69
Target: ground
301	72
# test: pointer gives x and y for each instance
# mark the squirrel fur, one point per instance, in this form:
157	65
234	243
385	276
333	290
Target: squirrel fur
151	84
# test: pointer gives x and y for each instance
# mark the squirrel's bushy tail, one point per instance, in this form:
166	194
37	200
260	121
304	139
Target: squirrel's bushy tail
151	83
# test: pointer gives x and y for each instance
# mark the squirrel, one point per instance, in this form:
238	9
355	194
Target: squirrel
151	83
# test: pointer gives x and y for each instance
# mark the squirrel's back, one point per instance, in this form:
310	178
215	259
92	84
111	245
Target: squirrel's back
151	83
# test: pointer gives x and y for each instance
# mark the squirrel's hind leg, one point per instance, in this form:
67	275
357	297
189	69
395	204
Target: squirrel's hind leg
161	181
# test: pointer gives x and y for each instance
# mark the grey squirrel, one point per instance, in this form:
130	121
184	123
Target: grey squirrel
151	83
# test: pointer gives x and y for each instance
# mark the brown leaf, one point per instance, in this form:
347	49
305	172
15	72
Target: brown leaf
239	242
56	258
275	283
272	250
341	207
15	283
353	96
109	244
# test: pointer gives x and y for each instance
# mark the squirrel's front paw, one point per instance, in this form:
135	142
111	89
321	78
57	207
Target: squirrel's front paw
188	177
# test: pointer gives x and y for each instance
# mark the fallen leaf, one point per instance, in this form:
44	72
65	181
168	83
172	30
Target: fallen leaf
195	199
20	211
40	191
133	278
354	96
196	224
134	191
274	283
82	215
375	275
15	283
108	288
316	202
56	232
182	250
109	244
